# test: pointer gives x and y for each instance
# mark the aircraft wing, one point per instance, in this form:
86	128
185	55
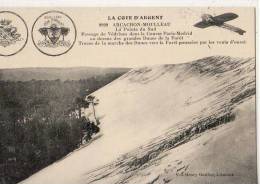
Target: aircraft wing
225	17
233	28
203	24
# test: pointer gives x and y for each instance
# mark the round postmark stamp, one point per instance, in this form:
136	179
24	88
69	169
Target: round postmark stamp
54	33
13	33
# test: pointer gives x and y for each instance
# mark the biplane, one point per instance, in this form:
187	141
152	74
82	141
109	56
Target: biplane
209	20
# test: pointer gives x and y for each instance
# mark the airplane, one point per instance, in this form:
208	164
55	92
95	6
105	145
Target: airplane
209	20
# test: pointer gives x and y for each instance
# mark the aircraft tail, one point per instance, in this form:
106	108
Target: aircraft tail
232	28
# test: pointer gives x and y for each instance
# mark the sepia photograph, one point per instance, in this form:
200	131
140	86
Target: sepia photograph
128	95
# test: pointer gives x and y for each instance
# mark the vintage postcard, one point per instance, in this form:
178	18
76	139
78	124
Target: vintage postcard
128	95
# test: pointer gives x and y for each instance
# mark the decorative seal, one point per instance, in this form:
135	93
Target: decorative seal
54	33
13	33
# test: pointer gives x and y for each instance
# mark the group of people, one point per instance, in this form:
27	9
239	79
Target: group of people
200	127
185	135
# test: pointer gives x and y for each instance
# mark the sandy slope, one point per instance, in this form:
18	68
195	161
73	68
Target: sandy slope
148	106
228	149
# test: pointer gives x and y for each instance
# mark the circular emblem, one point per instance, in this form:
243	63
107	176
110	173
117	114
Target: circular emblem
13	33
54	33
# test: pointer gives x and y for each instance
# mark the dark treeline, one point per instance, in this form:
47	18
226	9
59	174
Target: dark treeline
38	123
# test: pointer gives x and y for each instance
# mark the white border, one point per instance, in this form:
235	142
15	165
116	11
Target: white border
111	3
